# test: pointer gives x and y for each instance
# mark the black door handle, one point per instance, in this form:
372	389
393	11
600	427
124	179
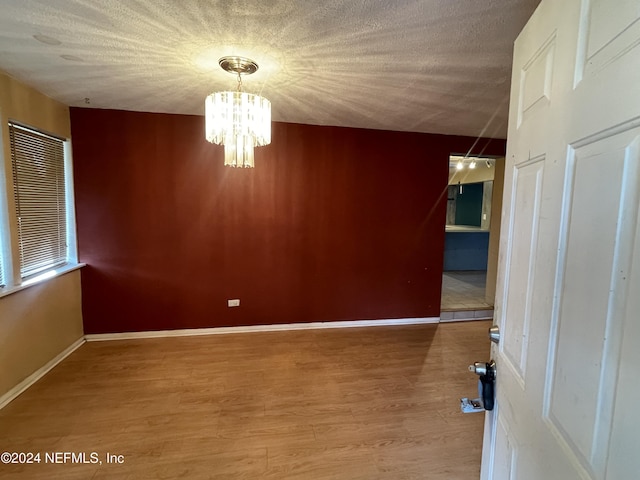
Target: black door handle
488	391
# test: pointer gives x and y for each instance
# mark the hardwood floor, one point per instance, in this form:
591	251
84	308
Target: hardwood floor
360	403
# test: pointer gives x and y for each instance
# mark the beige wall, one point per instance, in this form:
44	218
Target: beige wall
476	175
38	322
24	104
494	232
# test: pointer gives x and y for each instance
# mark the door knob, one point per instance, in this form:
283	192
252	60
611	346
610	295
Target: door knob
484	369
479	368
494	334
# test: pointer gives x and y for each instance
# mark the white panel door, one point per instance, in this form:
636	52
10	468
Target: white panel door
568	296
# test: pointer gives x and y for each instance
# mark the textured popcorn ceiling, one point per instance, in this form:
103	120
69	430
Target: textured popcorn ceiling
440	66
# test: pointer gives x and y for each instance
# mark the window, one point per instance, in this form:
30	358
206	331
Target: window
40	196
37	216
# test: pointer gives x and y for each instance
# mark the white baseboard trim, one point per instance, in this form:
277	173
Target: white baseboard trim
38	374
98	337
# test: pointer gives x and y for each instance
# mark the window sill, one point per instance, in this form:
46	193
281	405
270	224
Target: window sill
39	279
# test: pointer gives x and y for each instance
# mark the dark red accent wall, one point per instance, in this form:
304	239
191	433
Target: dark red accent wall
332	224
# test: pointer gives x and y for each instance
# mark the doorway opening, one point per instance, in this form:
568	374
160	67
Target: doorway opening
472	232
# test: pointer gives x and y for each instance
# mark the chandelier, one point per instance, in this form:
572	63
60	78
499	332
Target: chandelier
238	120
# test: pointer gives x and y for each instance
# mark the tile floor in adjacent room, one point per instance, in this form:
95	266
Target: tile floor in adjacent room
464	291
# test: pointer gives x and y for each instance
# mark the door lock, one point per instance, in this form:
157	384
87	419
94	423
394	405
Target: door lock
487	384
494	334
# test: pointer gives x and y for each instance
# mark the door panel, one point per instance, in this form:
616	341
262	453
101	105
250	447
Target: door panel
623	449
600	226
523	235
505	455
604	37
535	81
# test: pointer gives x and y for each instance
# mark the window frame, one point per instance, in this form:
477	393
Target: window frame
9	238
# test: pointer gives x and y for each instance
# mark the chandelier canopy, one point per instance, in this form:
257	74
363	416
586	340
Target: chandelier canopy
238	120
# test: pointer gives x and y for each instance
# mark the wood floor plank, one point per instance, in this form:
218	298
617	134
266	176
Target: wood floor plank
362	403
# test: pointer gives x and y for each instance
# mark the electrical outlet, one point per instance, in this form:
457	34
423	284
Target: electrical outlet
235	302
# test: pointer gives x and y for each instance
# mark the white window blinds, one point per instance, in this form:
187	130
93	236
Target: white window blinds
37	161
